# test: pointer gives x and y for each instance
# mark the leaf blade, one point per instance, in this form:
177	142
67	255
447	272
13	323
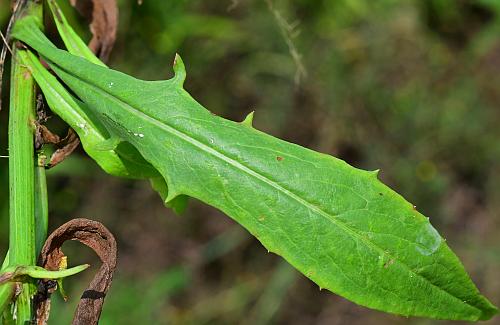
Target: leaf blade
338	225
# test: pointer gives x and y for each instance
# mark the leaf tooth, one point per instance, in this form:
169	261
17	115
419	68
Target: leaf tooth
374	173
172	193
248	121
179	70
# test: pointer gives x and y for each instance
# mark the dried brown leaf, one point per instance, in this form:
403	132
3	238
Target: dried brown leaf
94	235
66	148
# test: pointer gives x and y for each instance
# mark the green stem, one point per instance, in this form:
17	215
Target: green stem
41	204
21	178
22	244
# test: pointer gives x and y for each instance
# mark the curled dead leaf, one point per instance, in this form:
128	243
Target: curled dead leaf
94	235
65	147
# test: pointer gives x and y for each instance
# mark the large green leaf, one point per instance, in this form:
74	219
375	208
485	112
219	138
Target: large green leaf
338	225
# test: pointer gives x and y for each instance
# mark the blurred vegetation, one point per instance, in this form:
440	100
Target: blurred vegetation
410	87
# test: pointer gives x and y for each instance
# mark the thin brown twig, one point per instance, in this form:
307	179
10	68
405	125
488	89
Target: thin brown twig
5	44
3	55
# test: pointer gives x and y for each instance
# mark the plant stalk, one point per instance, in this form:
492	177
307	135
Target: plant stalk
22	240
21	178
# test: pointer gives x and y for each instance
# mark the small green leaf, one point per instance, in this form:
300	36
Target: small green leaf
20	272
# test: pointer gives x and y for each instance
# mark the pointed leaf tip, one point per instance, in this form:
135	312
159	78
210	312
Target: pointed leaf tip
179	70
248	121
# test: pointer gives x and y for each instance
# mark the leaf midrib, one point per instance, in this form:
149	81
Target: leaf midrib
200	145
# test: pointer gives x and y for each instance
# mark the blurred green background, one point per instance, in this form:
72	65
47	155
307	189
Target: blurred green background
410	87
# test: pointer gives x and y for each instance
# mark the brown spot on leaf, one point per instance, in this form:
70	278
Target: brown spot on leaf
94	235
388	263
279	158
6	277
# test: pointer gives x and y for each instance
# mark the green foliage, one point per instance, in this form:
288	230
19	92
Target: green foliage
338	225
19	273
